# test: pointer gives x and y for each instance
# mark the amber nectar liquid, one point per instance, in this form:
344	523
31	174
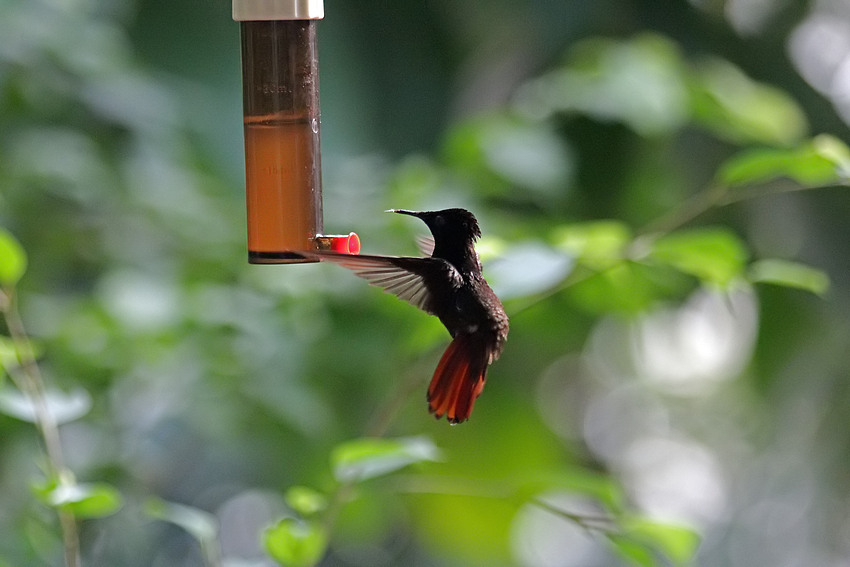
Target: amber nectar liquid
282	173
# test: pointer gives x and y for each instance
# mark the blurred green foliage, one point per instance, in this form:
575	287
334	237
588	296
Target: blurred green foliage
638	182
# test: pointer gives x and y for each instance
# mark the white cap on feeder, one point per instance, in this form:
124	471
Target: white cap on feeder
259	10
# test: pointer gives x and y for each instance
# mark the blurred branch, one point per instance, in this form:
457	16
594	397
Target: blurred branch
776	187
715	196
700	203
387	411
574	277
28	379
501	490
604	524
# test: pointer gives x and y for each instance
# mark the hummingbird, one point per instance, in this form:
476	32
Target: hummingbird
449	284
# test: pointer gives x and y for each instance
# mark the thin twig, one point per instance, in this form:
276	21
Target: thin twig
573	278
378	427
28	379
383	418
775	187
480	488
699	204
716	195
604	524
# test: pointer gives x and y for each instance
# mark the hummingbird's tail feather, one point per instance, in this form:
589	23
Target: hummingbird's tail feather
459	378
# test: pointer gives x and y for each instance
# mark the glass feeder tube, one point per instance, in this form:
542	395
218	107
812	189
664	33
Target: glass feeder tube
280	91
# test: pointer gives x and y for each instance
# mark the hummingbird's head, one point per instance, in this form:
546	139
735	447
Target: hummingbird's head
448	224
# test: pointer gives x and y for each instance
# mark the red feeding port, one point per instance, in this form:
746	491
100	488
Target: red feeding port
346	244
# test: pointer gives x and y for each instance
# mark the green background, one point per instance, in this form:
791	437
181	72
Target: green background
661	366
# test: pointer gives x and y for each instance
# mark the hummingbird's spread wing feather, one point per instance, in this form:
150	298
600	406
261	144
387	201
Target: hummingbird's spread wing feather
426	244
410	279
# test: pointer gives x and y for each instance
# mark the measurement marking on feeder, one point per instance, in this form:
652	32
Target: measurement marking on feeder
272	170
273	88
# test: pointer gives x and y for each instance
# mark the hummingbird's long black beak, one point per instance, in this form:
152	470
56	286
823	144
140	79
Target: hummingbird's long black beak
405	212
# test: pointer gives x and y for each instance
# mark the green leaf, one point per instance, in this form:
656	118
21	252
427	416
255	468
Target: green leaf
503	152
586	482
200	524
8	357
8	354
592	483
64	407
824	160
597	244
369	457
789	274
83	500
677	543
639	82
13	259
627	288
635	552
737	108
834	150
295	543
305	500
714	255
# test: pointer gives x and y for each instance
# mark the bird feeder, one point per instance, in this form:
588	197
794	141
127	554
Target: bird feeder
280	95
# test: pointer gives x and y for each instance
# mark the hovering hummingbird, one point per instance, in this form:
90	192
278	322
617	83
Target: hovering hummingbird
450	285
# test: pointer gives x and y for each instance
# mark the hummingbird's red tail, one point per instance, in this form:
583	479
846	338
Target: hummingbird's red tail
459	378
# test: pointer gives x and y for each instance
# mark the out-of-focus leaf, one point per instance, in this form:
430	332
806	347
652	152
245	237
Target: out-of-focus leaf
413	177
13	259
675	542
789	274
575	480
503	152
597	244
822	161
635	552
738	108
64	407
305	500
639	82
626	288
368	457
8	353
714	255
528	268
94	500
39	535
8	357
295	543
200	524
490	247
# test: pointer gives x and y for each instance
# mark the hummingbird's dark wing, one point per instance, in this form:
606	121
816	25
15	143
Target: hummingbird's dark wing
425	244
411	279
